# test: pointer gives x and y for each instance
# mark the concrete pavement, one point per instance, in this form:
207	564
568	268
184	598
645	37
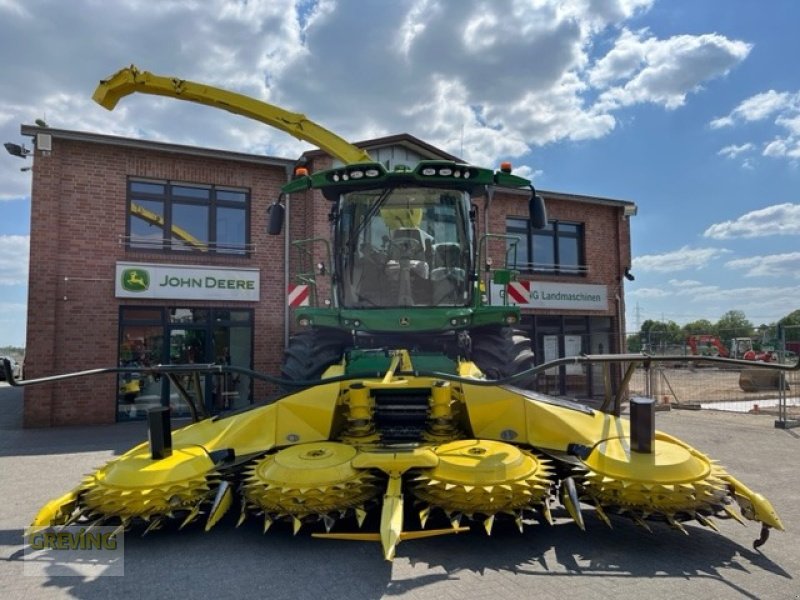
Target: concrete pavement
546	562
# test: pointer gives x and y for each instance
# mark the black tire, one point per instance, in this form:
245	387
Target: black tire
501	352
309	353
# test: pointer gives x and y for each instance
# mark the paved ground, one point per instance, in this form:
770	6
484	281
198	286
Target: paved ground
545	562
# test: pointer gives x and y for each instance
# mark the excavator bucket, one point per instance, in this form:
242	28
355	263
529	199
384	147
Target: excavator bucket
760	380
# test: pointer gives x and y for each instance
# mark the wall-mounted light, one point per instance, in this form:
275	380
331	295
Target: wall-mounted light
17	150
628	275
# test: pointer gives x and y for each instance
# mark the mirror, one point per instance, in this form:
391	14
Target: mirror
276	214
537	212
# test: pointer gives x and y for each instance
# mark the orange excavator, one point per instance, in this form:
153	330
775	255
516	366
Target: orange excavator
750	380
707	345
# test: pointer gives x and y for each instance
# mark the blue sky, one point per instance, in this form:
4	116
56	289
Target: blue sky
690	108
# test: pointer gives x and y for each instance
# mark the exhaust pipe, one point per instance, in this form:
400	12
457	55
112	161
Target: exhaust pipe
159	432
643	425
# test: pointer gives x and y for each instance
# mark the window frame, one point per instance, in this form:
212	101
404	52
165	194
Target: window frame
554	235
169	199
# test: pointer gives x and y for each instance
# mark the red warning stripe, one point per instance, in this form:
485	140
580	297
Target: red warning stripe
298	295
519	292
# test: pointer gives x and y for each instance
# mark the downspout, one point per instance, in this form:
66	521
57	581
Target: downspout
617	296
286	247
486	206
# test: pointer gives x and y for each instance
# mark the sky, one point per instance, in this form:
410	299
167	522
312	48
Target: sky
689	108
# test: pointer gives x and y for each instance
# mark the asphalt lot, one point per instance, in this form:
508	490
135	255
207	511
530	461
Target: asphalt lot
545	562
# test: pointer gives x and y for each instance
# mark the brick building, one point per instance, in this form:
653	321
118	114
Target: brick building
109	213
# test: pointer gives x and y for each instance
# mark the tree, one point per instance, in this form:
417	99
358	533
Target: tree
791	326
634	342
699	327
657	335
734	324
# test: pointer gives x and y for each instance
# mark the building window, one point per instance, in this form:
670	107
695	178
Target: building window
187	218
556	249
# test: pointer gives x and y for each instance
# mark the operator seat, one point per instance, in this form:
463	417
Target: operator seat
448	275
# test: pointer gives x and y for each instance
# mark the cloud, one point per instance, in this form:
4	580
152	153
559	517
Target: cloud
733	151
528	172
678	260
785	107
663	71
773	265
788	147
684	283
495	79
756	108
698	293
650	293
14	259
778	219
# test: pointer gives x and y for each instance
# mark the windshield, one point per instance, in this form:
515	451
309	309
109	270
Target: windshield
405	246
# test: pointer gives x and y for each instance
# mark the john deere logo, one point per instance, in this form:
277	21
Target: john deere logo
135	280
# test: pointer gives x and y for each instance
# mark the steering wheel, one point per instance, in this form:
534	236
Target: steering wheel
405	248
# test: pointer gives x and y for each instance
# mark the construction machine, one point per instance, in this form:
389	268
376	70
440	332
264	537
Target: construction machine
708	345
750	380
402	392
756	380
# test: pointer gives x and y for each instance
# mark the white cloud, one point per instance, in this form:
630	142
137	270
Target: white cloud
664	71
698	292
778	219
684	283
419	67
650	293
622	61
14	259
783	148
763	303
773	265
733	151
528	172
756	108
785	107
678	260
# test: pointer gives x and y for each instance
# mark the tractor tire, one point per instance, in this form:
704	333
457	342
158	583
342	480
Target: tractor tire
309	354
501	352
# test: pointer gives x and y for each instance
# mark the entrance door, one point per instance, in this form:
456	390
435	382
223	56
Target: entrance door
182	336
188	345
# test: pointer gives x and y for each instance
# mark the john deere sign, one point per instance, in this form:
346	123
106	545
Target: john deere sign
179	282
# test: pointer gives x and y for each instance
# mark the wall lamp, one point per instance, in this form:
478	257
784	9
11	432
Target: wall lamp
17	150
628	275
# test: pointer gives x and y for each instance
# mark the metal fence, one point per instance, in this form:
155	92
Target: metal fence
724	387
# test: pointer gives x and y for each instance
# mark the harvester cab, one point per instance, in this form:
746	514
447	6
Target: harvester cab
406	265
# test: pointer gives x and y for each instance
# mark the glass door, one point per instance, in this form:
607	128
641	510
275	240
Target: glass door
232	346
189	343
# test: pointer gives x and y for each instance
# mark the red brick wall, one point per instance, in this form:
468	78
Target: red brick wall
606	245
309	220
77	222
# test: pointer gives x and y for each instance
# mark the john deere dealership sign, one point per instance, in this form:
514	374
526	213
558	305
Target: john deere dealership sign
542	294
180	282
